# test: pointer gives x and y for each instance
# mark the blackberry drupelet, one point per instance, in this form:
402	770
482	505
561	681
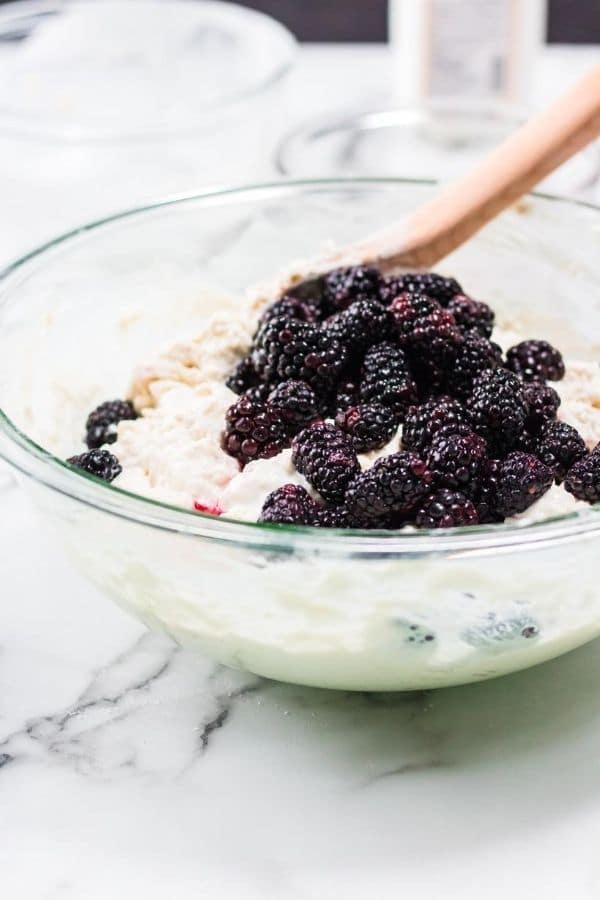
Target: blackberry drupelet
583	479
425	329
101	424
291	308
326	458
543	403
297	403
560	446
361	325
498	409
253	430
535	361
345	286
457	461
100	463
522	479
472	315
289	505
446	509
386	378
287	349
347	395
394	485
243	377
433	285
424	421
259	393
369	425
475	355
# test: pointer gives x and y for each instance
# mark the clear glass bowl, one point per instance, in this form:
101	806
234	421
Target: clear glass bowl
105	104
354	610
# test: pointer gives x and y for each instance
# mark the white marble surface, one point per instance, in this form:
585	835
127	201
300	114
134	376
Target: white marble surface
131	768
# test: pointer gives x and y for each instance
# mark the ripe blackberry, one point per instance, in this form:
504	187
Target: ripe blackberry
259	393
583	479
522	479
535	361
498	409
457	461
296	401
543	403
289	505
424	421
243	377
361	325
101	424
289	349
475	355
446	509
326	458
386	378
291	308
472	315
394	485
253	430
424	328
560	446
100	463
369	425
345	286
433	285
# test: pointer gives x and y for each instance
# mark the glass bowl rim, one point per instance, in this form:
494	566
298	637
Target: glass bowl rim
30	128
33	461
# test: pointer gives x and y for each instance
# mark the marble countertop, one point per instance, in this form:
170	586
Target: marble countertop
129	767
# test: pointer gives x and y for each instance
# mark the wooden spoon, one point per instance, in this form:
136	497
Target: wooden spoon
462	208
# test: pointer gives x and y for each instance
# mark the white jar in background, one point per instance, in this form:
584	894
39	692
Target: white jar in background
471	50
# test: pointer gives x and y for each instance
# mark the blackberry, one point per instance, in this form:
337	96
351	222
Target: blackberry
289	505
296	401
101	424
424	421
345	286
100	463
535	361
543	403
446	509
583	479
253	430
522	479
361	325
243	377
370	425
560	446
472	315
498	409
475	355
291	308
289	349
424	328
457	461
394	485
435	286
326	458
386	378
259	393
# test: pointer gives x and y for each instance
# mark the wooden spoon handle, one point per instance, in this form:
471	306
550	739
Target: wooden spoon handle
510	171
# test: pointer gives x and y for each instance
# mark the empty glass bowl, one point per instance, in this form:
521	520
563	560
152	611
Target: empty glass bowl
355	610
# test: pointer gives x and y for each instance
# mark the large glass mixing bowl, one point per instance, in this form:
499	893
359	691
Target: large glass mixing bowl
355	610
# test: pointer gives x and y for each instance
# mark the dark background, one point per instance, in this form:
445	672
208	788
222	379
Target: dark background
569	21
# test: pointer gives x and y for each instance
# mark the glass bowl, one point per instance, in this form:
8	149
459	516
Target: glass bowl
352	610
105	104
